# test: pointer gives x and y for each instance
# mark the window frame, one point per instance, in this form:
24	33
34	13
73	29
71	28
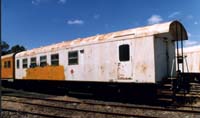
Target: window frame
33	64
122	55
18	64
43	63
55	61
5	64
8	64
23	64
70	58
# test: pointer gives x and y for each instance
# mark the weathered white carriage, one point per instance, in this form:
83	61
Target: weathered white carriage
138	55
192	59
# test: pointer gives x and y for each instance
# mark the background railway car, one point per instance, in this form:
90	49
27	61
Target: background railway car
192	59
140	55
8	67
191	66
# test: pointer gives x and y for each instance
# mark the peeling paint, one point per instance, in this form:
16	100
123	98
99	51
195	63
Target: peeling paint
101	61
130	33
45	73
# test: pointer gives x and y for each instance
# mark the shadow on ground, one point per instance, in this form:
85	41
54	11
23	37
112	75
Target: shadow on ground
143	95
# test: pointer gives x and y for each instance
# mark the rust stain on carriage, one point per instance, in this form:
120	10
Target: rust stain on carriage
138	32
106	36
45	73
142	68
102	70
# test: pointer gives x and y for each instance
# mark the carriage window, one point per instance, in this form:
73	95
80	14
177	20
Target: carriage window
33	62
5	64
43	61
8	64
2	65
73	58
54	59
18	63
124	52
25	63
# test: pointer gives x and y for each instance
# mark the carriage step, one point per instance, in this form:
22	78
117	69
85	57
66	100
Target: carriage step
165	99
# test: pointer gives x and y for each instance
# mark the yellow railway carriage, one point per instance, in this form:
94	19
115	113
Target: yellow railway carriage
7	67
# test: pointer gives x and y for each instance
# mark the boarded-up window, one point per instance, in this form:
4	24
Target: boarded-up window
18	64
25	63
54	59
73	58
43	61
124	52
33	62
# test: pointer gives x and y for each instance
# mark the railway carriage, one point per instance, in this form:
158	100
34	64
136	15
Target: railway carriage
192	59
191	67
139	56
8	67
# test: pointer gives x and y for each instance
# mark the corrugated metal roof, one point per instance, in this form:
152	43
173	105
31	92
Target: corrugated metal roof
130	33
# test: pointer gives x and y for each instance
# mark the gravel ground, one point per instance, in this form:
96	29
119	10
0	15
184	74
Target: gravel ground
7	114
75	114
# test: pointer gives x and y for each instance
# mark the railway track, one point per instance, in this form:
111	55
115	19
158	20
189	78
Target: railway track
21	100
73	109
173	108
33	114
90	106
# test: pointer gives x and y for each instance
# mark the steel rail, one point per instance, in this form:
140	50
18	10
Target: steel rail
35	114
82	110
112	105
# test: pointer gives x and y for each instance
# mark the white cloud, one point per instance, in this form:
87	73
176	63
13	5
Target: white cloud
75	22
189	34
154	19
191	43
196	23
193	35
174	14
35	2
189	17
96	16
62	1
196	36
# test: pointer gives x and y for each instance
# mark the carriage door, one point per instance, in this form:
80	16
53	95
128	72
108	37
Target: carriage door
124	66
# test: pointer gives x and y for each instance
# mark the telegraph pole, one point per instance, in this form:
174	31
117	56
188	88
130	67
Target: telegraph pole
0	56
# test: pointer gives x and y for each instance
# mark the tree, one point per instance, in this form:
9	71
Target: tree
4	47
16	49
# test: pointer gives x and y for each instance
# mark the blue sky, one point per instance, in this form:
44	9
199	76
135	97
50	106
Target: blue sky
36	23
